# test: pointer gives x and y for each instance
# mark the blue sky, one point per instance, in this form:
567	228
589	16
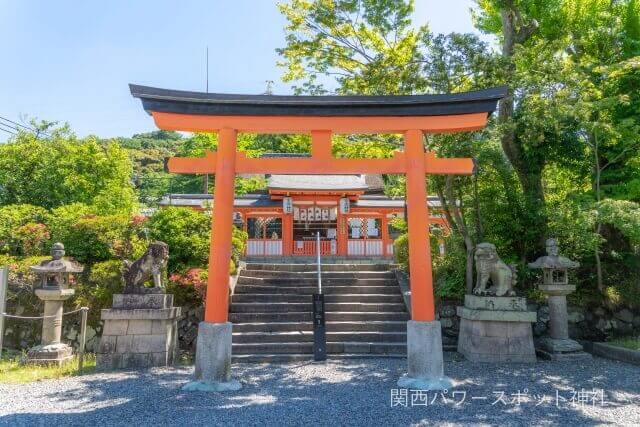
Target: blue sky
71	61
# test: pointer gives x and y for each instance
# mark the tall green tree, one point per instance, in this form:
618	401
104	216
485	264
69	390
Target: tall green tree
603	54
529	115
52	167
362	46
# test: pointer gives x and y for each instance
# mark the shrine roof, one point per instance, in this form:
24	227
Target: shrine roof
264	200
317	182
218	104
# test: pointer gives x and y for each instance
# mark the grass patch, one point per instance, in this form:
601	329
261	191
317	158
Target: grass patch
630	343
12	371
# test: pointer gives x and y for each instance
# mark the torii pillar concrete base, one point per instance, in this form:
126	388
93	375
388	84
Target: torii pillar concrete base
213	359
424	358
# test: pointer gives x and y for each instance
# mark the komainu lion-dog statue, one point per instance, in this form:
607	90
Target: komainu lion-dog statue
489	266
149	266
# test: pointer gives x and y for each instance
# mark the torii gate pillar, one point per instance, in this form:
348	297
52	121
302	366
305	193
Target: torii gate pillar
424	333
213	348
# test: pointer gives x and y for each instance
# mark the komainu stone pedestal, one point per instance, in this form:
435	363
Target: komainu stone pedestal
213	359
424	358
140	331
496	329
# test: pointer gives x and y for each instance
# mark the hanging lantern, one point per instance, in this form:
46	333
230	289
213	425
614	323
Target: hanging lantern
345	205
287	205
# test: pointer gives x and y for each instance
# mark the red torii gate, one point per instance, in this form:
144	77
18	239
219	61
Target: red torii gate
319	116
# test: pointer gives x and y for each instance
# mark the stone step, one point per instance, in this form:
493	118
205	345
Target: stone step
307	336
251	266
306	316
284	358
364	274
269	298
346	326
313	282
285	307
332	347
309	290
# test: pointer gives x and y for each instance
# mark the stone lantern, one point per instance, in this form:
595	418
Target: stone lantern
556	286
54	290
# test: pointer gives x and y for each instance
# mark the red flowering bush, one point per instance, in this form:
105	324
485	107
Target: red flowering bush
31	238
190	287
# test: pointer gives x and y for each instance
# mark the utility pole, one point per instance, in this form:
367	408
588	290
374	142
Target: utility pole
269	90
207	68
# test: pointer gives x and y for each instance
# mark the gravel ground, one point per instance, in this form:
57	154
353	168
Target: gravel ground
343	392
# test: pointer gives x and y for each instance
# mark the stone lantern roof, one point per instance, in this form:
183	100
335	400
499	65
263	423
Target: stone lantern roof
553	260
57	264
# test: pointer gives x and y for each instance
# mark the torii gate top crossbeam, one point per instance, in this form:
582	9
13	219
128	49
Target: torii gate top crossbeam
210	112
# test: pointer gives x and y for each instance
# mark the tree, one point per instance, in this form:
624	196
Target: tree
365	46
56	168
528	116
148	152
604	41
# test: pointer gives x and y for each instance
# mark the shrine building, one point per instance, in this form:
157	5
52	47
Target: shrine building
351	213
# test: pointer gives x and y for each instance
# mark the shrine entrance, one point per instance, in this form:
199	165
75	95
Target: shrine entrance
321	117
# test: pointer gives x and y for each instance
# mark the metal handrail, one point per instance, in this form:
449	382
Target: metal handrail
319	262
319	331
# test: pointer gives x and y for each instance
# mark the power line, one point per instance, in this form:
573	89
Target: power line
15	123
22	126
11	131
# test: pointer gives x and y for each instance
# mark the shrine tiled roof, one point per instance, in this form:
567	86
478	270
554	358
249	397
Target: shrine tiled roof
317	182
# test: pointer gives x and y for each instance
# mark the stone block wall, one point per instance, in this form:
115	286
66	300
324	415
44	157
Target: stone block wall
138	338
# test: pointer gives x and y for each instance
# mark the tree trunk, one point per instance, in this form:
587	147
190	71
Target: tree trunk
476	206
529	171
205	183
596	184
456	219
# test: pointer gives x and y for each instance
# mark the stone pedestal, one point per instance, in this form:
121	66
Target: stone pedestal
51	350
558	345
424	358
140	331
213	359
496	329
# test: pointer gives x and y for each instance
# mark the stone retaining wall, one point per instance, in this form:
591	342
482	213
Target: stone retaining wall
598	324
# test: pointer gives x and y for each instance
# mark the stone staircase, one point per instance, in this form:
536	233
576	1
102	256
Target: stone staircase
271	312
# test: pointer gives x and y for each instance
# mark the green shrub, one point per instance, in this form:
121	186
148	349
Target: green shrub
239	243
186	231
91	238
401	251
101	281
21	229
448	269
